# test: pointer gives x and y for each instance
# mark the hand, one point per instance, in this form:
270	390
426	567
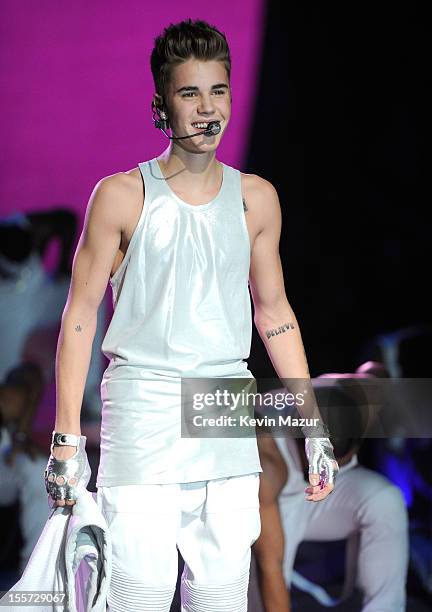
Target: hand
323	468
67	471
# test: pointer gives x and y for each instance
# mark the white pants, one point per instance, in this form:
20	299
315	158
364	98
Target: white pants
362	502
213	523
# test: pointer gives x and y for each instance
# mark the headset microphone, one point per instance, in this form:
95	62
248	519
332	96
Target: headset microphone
213	127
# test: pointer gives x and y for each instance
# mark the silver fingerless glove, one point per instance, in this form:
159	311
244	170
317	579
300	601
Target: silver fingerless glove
63	477
319	452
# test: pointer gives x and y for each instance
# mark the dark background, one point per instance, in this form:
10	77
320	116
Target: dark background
340	130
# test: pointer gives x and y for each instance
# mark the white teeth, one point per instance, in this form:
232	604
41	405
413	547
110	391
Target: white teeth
200	125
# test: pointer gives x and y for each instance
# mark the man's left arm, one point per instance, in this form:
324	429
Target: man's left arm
276	322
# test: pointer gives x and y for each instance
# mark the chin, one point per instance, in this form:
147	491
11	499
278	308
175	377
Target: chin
207	145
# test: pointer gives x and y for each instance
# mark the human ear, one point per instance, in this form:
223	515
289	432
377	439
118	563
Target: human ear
159	103
158	106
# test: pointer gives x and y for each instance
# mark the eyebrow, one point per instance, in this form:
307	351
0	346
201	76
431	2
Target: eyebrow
194	88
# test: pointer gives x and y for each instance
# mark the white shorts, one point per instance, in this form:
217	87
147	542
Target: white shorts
213	523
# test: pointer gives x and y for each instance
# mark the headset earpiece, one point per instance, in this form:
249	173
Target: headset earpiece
161	122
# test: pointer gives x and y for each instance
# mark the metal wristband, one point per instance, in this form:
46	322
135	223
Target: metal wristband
64	439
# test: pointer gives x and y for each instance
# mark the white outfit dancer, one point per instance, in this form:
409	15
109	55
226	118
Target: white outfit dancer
22	482
32	300
363	502
181	309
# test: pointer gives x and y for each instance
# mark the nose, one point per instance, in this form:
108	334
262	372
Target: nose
206	105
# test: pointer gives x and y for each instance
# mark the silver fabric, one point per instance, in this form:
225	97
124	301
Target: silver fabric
319	452
72	555
181	309
73	472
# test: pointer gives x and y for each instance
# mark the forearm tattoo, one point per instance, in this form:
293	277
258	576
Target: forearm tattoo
245	208
279	330
78	328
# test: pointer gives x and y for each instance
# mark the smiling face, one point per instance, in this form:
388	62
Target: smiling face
198	92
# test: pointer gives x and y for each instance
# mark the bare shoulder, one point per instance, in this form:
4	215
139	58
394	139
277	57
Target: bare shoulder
259	195
121	183
255	182
119	196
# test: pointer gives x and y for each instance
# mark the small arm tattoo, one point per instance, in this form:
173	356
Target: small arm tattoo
280	330
78	328
245	208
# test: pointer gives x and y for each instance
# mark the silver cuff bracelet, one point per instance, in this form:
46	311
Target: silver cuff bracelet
64	439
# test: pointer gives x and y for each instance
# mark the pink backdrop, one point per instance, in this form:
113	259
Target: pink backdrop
76	91
77	88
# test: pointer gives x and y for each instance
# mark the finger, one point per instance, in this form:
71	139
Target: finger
60	501
71	490
314	479
53	497
60	494
322	494
313	489
70	496
317	497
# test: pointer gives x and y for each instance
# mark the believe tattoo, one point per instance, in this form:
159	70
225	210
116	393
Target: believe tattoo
280	330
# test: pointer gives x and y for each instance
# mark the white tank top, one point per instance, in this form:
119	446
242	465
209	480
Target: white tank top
181	308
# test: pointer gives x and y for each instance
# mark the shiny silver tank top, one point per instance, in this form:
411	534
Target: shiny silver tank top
181	308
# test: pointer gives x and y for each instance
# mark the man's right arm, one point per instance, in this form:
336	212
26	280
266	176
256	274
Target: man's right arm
92	264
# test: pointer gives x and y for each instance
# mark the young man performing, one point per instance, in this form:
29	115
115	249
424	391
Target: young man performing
179	259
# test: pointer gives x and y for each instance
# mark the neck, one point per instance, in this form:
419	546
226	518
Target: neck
197	167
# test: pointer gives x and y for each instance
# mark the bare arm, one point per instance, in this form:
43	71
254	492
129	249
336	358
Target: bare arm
274	317
92	264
